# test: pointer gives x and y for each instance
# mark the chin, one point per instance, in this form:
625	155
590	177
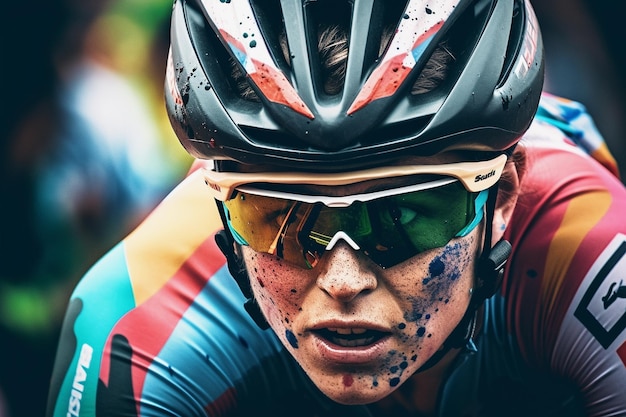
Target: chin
358	398
359	393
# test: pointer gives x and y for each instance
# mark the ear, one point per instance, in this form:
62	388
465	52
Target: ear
507	195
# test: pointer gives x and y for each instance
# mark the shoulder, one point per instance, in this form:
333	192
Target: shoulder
177	236
129	312
570	174
569	211
571	189
565	302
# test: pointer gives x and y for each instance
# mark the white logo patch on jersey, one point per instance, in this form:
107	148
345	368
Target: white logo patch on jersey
602	308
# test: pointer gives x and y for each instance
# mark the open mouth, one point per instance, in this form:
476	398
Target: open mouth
356	337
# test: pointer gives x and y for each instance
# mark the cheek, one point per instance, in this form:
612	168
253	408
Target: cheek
278	289
446	273
441	296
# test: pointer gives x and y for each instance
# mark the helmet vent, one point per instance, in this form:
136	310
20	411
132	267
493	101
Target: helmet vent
229	79
515	41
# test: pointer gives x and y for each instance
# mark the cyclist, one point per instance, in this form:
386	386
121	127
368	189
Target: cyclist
409	227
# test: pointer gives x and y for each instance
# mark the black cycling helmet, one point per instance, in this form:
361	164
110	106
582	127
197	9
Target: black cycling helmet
485	103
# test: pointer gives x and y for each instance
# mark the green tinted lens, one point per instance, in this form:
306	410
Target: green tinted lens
392	229
412	223
329	221
429	219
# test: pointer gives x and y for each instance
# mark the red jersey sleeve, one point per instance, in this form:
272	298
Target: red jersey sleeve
564	286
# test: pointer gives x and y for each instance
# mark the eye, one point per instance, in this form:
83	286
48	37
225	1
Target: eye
277	219
399	215
282	213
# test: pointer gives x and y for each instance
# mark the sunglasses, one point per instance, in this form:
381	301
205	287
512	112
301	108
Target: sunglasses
390	226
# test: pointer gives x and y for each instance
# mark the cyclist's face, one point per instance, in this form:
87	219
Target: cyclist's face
359	331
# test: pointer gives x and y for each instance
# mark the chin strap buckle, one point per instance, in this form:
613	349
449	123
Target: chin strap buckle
490	270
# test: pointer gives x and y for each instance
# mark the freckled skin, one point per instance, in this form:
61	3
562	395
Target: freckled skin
419	301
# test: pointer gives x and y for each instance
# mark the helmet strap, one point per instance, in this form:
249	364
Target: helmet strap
490	265
226	243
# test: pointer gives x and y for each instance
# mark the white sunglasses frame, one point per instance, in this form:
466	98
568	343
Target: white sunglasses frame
346	200
475	177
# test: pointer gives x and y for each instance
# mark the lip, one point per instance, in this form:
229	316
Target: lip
352	355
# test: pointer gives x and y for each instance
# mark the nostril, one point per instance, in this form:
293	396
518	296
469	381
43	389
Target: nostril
345	289
344	274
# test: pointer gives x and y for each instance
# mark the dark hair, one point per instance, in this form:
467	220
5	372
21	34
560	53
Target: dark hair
333	44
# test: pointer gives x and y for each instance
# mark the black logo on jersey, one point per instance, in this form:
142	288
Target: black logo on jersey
602	309
614	293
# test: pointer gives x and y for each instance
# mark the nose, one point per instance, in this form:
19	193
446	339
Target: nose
344	274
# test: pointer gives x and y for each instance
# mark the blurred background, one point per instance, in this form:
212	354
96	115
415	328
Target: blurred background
585	62
87	149
86	152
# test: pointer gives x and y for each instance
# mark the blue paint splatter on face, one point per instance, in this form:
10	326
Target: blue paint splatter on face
449	257
396	369
452	256
291	338
443	271
436	267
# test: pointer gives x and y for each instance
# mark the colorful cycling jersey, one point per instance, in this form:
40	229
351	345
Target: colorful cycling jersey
158	328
